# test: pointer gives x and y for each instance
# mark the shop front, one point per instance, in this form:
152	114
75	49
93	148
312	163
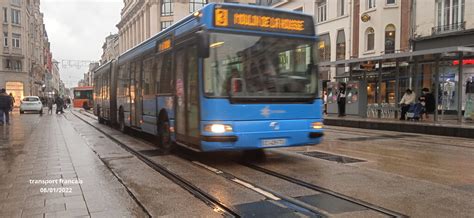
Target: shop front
16	89
447	73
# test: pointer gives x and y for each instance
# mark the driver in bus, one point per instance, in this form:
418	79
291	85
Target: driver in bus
266	75
233	85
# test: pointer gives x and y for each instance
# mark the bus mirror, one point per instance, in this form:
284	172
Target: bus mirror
203	44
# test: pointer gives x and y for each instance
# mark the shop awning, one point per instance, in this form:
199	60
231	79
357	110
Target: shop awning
403	55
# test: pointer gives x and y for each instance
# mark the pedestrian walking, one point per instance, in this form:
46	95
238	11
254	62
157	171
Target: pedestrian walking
50	103
428	102
325	102
5	105
408	98
13	101
59	105
341	100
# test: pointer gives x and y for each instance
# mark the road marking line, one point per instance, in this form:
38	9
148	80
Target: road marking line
207	167
240	182
259	190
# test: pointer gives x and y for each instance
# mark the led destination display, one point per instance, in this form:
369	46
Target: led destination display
263	20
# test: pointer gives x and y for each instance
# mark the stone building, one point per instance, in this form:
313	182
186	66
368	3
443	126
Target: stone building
355	29
110	48
142	19
25	56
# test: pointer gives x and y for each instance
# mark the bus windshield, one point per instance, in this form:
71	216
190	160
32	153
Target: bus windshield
259	67
83	94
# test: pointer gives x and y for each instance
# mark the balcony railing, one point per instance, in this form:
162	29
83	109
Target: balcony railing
448	28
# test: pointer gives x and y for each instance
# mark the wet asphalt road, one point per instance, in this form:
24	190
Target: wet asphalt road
411	174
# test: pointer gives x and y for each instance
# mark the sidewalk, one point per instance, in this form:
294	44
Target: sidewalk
47	170
448	128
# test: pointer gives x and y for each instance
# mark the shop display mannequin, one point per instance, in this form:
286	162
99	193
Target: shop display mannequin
469	107
448	89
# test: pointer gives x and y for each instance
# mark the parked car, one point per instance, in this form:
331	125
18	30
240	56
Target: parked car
31	103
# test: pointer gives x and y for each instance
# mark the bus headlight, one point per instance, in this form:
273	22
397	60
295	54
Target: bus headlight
317	125
217	128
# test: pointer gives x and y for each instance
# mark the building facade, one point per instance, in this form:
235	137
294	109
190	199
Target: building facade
441	25
110	48
25	55
141	19
355	29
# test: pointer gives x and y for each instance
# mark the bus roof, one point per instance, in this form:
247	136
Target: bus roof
83	88
251	20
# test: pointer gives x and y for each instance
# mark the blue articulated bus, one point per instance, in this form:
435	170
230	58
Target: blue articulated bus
228	77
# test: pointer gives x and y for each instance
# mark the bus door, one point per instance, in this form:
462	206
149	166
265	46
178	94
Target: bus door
187	96
136	95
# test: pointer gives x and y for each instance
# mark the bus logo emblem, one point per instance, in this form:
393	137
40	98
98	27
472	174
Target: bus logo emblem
266	112
275	125
222	18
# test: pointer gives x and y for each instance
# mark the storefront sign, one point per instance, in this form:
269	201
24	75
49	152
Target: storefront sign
365	18
464	62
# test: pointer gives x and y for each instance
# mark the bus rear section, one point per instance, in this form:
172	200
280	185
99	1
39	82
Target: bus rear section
83	97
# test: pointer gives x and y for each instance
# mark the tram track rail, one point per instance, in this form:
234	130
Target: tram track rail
302	183
289	201
209	200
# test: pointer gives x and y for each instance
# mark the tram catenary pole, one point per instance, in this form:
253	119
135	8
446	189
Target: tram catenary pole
460	87
436	91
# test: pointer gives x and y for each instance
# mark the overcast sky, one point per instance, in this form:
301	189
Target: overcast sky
77	30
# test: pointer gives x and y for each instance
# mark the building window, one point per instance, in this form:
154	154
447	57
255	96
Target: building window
324	48
370	4
322	11
195	5
389	39
5	39
259	2
5	15
340	45
341	10
8	64
15	16
16	40
390	2
167	8
370	36
166	24
16	2
450	15
17	65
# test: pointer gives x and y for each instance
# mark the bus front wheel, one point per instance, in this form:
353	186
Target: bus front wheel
164	136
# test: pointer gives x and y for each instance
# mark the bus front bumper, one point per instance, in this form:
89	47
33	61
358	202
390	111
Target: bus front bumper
259	140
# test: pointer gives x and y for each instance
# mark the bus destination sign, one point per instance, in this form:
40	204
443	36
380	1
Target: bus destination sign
261	19
164	45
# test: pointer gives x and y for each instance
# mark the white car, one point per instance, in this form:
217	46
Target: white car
31	103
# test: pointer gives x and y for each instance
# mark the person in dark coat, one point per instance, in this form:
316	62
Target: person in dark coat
13	101
427	99
59	105
5	106
341	100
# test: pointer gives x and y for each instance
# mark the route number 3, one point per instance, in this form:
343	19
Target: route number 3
222	17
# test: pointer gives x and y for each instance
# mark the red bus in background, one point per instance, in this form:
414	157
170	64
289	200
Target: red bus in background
83	97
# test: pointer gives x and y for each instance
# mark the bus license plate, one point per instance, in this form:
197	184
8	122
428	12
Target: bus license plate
273	142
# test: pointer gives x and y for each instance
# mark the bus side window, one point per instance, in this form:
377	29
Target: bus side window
157	73
165	77
147	80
